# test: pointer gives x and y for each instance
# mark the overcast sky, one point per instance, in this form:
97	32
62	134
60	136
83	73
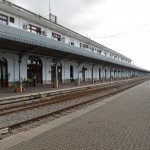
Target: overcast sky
122	25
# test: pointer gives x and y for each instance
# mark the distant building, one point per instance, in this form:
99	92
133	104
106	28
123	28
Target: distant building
35	48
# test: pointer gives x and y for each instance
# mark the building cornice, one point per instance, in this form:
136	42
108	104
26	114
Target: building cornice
23	13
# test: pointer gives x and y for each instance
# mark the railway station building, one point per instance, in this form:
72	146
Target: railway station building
38	49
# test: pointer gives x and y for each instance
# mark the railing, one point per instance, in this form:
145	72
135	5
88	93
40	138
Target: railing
52	18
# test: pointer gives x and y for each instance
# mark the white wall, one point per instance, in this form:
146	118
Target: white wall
20	21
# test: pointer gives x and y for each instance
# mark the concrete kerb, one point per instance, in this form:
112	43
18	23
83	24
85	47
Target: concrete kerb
43	94
27	135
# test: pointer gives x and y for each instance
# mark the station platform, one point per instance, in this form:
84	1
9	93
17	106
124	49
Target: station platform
121	122
9	91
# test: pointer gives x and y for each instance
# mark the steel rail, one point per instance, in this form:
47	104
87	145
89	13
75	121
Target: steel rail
58	99
107	94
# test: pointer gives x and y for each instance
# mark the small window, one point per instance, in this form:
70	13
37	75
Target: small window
99	51
72	43
3	19
80	44
93	49
34	29
57	36
12	20
111	55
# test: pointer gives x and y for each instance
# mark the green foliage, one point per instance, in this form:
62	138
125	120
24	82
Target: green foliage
15	84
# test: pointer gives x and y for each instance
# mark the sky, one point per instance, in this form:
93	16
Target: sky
122	25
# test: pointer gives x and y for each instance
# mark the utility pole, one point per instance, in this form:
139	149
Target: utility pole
49	6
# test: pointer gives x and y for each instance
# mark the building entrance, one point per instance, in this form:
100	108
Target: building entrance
3	73
56	72
71	74
99	73
83	73
34	70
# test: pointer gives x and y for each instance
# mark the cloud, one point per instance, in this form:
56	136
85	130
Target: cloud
78	15
92	2
102	18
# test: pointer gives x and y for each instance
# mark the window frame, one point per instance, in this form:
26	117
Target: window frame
5	20
35	29
11	19
57	36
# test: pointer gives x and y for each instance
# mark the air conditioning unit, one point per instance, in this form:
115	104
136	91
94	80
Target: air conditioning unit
37	15
44	33
25	26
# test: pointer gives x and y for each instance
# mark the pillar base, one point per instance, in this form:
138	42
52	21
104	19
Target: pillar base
78	82
56	84
93	81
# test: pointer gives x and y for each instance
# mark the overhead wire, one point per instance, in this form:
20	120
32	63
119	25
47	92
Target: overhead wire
122	33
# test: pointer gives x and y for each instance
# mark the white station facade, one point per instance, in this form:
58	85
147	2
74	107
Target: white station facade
35	48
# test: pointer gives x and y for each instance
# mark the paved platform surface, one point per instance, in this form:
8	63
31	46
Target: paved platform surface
123	123
9	91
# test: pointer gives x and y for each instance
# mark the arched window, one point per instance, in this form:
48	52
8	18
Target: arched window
3	73
34	70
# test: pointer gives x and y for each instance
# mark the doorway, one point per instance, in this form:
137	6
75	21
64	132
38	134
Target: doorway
3	73
71	74
99	73
83	73
56	67
34	70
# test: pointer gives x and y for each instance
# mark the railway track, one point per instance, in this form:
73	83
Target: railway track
107	90
41	96
50	101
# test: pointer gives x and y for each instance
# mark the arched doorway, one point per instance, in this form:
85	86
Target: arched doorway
114	73
105	73
34	70
92	74
56	70
122	74
99	73
3	73
110	74
83	73
71	74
